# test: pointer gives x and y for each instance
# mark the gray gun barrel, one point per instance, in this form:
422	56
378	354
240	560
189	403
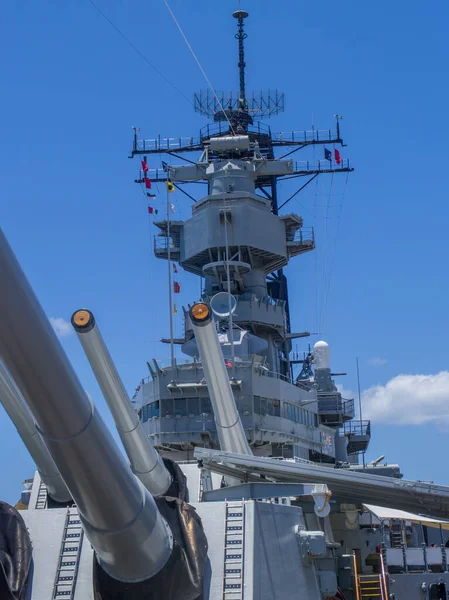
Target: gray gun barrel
229	426
20	415
119	516
145	461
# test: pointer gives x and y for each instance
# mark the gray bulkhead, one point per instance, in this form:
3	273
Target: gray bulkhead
272	565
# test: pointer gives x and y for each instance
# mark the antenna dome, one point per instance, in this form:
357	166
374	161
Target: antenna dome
321	356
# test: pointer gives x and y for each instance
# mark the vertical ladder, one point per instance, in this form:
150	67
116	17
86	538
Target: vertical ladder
200	486
69	557
234	551
205	483
41	501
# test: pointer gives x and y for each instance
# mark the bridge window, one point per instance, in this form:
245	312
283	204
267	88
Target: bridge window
206	406
167	407
154	410
244	404
263	406
181	407
193	406
257	405
277	408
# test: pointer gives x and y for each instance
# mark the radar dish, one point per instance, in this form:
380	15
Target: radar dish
221	303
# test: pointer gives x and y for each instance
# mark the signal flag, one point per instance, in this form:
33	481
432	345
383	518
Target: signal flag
337	156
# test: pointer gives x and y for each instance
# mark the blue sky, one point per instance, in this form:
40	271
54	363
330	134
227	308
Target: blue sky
71	91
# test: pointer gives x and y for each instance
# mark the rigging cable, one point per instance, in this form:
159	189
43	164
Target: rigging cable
199	64
335	246
323	291
141	54
315	262
315	257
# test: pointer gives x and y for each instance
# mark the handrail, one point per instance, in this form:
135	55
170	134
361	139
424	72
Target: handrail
320	165
356	578
384	588
357	427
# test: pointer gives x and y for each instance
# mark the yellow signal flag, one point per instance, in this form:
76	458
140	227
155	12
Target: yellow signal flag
175	310
170	186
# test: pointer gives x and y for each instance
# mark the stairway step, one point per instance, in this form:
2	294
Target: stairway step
366	589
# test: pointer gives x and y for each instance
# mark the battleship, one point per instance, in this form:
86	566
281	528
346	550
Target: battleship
242	476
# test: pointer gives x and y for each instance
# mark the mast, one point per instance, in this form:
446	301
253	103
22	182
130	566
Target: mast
241	36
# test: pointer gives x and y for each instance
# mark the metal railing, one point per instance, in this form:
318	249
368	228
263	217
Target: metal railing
222	127
303	235
335	405
356	578
161	242
160	143
311	135
357	427
383	578
320	165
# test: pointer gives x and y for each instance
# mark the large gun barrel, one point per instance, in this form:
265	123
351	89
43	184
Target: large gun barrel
229	426
131	539
145	461
20	415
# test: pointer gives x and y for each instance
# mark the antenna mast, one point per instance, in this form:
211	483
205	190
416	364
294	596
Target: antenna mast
241	36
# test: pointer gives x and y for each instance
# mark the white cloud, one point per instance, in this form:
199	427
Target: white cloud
61	327
409	400
377	361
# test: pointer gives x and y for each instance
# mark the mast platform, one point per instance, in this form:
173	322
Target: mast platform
300	168
301	138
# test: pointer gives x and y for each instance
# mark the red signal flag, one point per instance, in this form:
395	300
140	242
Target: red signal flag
144	166
337	156
147	183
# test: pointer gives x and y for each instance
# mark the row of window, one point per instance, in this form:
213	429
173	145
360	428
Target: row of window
299	415
246	404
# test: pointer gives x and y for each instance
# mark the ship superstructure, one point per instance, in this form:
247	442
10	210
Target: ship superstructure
265	498
239	243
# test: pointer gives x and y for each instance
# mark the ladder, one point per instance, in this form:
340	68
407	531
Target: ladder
205	483
396	538
41	501
234	551
69	557
201	486
370	586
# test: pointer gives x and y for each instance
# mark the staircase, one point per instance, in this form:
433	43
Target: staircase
396	538
370	586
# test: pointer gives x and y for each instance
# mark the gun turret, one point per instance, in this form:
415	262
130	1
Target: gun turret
120	518
145	462
20	415
231	434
